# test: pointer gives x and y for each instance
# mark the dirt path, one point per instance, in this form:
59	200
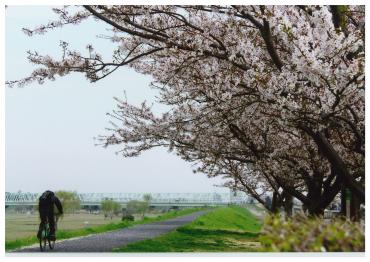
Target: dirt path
106	242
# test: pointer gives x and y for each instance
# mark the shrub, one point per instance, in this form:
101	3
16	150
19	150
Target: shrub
128	218
302	234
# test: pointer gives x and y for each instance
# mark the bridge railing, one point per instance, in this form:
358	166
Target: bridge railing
159	198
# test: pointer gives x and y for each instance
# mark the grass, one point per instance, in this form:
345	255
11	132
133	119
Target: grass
18	226
229	229
65	234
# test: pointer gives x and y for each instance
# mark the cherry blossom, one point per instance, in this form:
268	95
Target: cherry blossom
270	97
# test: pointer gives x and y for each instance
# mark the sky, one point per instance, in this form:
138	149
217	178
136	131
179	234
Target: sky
49	128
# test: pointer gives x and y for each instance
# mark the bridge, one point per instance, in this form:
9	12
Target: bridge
157	199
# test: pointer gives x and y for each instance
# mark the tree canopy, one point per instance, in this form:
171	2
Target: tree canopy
110	207
70	200
270	97
138	207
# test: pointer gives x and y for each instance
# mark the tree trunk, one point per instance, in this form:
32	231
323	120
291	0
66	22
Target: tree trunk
316	212
337	162
327	196
288	204
355	208
315	196
276	203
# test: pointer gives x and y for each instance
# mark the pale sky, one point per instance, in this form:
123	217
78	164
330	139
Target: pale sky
50	128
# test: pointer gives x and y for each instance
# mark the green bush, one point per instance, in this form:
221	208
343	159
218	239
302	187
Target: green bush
302	234
128	218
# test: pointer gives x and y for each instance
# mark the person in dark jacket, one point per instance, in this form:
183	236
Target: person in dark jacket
46	209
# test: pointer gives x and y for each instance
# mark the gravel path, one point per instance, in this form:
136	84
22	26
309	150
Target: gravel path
105	242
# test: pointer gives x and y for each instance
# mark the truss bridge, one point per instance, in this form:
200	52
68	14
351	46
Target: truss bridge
157	199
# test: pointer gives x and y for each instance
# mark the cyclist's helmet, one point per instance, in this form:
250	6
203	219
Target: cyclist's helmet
47	195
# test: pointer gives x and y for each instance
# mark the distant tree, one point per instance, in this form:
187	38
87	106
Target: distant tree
138	207
70	201
106	206
147	198
110	207
116	208
131	207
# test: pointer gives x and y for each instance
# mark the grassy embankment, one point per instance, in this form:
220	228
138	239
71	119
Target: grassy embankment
229	229
65	234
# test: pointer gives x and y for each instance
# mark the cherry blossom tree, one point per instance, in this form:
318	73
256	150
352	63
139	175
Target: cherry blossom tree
271	97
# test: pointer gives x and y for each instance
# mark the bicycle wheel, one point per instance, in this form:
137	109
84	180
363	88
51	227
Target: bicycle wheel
51	243
43	240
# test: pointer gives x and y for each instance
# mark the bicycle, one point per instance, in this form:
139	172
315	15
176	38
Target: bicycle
45	236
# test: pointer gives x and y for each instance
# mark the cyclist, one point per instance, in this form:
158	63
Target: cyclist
46	209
